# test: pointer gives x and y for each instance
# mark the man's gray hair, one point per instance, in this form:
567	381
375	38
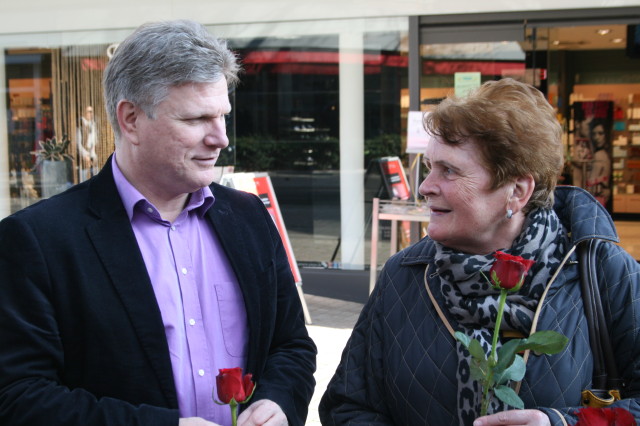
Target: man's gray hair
161	55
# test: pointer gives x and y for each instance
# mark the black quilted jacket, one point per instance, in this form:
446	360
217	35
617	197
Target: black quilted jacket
399	366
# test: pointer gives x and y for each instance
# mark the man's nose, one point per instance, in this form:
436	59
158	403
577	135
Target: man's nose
217	134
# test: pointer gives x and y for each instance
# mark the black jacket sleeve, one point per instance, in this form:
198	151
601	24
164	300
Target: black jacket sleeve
355	394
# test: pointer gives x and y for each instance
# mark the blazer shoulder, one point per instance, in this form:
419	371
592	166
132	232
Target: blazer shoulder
231	196
59	208
243	207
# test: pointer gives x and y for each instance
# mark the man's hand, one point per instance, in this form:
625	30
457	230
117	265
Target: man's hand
514	417
195	421
263	412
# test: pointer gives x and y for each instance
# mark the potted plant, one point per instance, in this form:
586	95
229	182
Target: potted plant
52	159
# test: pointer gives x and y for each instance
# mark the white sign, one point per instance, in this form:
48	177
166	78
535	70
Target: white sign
417	136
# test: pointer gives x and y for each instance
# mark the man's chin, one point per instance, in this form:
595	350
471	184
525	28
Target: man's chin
209	179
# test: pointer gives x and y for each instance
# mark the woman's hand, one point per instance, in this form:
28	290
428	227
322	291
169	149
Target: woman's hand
514	417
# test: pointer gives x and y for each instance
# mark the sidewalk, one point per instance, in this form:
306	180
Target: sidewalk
333	320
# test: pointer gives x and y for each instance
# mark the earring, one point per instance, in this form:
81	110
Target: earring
509	213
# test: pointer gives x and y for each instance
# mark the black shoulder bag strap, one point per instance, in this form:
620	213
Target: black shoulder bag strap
606	383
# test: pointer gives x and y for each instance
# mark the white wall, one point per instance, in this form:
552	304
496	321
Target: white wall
26	16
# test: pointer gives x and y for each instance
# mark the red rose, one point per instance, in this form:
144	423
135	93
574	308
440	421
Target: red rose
615	416
508	271
232	385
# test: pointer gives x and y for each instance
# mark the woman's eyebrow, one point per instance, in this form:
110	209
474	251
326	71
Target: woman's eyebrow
444	164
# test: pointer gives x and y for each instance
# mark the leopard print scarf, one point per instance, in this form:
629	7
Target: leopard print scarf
472	302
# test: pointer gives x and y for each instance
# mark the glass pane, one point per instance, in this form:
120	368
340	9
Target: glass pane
287	110
29	120
441	63
285	118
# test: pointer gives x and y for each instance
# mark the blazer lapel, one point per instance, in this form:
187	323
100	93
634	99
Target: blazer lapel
116	245
227	226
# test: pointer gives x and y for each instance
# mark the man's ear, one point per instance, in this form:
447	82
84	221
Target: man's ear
127	114
522	191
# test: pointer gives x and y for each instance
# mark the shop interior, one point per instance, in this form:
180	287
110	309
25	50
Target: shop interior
588	72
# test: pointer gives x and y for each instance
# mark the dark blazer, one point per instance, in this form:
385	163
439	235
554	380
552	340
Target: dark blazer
81	336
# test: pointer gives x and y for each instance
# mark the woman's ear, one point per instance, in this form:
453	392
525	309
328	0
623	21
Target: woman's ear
522	191
127	114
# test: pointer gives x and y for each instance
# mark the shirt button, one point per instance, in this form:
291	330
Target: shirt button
184	271
201	372
173	227
192	322
149	209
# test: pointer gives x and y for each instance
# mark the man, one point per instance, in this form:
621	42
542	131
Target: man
121	298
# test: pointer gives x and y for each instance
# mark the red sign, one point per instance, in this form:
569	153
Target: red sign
260	185
394	178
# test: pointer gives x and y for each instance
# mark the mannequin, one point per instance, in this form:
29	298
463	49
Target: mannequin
87	141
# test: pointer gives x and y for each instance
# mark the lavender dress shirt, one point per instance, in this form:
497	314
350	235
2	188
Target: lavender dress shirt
198	294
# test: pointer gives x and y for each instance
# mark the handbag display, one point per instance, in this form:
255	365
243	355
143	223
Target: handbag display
606	383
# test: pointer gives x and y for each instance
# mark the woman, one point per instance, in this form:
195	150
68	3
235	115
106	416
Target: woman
493	162
599	181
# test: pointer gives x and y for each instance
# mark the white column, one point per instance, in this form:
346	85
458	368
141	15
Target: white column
352	150
5	196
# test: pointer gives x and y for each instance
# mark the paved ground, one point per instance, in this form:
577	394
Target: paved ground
333	320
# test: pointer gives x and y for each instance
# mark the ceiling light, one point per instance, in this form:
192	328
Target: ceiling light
617	40
603	31
556	42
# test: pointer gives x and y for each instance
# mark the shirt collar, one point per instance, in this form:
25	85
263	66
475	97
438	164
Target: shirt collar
200	200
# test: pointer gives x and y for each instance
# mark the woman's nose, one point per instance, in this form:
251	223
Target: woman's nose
427	186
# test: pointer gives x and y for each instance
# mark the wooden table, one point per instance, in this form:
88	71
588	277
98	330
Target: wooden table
394	211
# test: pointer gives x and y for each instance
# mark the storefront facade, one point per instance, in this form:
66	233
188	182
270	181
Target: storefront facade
326	92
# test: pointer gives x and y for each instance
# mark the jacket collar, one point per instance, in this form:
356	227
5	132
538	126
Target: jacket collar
229	223
583	216
115	243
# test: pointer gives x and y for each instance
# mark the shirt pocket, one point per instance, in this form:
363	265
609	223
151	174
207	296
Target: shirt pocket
233	319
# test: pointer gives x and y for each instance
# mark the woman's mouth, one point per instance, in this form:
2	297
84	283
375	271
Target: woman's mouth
439	210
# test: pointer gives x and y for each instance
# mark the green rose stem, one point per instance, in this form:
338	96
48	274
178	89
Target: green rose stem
493	359
233	389
234	412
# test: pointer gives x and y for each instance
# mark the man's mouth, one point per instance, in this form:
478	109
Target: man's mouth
208	158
